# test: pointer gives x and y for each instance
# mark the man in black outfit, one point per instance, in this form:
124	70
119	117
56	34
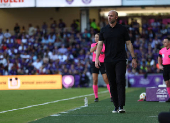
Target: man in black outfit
114	37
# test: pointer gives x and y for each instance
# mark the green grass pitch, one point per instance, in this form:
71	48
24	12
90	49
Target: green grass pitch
100	112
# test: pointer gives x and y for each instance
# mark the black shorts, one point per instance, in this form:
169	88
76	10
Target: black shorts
166	72
96	70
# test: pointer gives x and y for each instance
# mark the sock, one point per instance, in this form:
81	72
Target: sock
168	89
108	88
95	89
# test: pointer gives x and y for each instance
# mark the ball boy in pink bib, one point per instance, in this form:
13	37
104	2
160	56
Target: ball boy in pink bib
95	71
164	63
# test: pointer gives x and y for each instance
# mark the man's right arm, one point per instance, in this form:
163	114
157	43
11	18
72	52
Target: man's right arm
99	48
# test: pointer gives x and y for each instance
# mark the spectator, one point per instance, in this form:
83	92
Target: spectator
7	34
45	40
61	25
24	40
54	25
23	30
94	25
31	30
1	35
17	29
62	57
62	50
78	24
3	61
74	26
86	34
13	71
37	64
44	28
51	39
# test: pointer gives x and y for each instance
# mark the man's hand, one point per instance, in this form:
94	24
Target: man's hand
161	67
134	63
97	63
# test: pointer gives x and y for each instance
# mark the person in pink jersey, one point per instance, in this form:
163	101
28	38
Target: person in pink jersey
95	71
164	63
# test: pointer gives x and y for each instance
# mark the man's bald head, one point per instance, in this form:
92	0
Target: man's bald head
114	11
112	17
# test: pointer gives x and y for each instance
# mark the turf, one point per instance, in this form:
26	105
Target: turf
100	112
15	99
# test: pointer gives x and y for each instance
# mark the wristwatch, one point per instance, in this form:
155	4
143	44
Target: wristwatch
133	57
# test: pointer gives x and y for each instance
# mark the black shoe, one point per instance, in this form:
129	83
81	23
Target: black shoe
96	100
116	110
111	99
121	110
168	100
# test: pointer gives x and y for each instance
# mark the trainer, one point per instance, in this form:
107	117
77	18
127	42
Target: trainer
115	36
164	58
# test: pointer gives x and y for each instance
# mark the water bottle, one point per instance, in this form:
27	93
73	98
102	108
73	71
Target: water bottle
85	101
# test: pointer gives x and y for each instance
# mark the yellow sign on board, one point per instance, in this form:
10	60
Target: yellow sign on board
27	82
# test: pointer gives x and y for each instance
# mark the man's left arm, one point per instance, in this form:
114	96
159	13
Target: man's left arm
130	48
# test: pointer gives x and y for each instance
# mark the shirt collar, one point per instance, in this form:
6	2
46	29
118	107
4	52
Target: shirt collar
114	26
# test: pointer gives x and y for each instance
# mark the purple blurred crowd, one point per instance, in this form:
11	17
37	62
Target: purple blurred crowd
55	49
147	44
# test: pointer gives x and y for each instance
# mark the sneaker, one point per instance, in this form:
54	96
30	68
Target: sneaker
111	99
121	110
115	111
96	100
168	100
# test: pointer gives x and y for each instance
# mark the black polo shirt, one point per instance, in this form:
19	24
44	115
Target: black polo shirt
114	40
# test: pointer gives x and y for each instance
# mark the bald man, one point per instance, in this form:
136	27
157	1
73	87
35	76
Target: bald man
115	36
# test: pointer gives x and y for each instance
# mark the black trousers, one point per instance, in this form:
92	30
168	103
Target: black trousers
116	75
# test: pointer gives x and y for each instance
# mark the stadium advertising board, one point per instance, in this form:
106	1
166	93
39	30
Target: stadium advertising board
77	3
16	3
152	80
27	82
145	2
156	94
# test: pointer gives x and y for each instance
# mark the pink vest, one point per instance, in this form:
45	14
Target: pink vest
165	56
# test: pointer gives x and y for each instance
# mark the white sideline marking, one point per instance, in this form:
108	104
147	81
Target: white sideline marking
68	111
63	112
52	102
55	115
20	108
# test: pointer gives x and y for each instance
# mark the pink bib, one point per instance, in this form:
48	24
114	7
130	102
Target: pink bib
165	56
